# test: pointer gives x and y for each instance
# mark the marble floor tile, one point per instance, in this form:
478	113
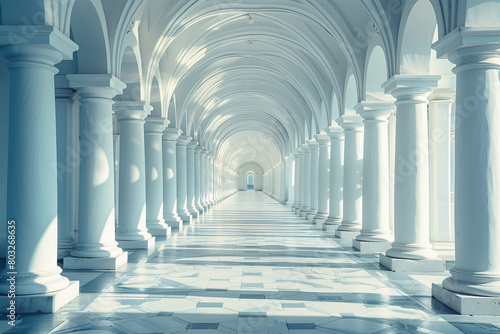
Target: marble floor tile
251	266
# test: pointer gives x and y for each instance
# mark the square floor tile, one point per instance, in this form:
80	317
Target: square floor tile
252	296
252	285
292	326
202	325
293	305
207	304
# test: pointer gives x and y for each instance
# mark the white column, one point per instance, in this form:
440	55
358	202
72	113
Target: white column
191	179
306	181
290	181
375	235
353	176
411	225
132	232
336	204
198	185
96	247
203	173
116	165
67	166
314	146
296	179
210	164
477	186
182	175
441	224
323	178
153	131
32	173
299	192
392	166
170	136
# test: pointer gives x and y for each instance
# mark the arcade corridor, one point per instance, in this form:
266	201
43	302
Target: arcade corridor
251	266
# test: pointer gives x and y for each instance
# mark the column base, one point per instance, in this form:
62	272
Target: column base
330	230
62	253
194	212
346	234
137	244
311	215
320	220
200	209
297	210
466	304
64	247
407	265
44	303
371	246
161	232
445	249
187	220
304	211
95	263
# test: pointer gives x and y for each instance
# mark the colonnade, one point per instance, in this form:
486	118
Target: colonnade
359	198
75	210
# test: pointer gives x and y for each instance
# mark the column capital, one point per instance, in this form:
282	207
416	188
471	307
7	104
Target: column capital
171	134
407	87
14	40
299	152
155	124
183	140
375	110
464	37
131	110
198	150
313	144
204	152
62	88
192	145
335	132
96	85
351	123
306	148
322	139
442	95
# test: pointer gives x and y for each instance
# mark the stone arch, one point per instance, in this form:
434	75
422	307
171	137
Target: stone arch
250	167
155	99
375	74
417	30
130	74
89	31
350	96
250	178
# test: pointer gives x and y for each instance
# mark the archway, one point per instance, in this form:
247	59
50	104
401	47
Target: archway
250	177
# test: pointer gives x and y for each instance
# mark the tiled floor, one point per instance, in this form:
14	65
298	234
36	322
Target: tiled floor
250	266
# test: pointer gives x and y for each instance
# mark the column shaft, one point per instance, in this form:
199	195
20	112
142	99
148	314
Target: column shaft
375	172
170	136
412	167
155	222
32	173
182	208
336	205
132	232
67	168
323	179
96	224
306	181
441	224
353	176
313	178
